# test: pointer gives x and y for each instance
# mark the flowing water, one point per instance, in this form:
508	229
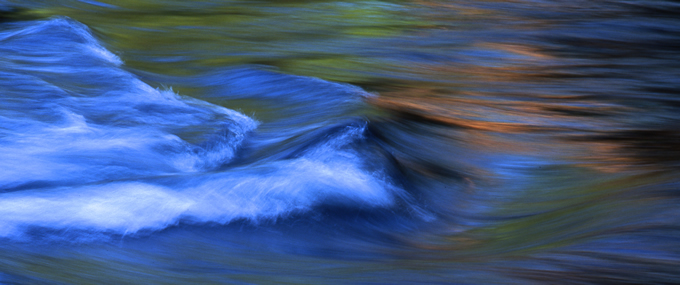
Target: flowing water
322	142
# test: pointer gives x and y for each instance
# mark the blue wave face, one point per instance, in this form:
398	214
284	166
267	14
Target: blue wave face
325	174
72	115
84	144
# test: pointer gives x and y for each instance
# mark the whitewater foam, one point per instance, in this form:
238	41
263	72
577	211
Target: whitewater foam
327	174
82	118
87	146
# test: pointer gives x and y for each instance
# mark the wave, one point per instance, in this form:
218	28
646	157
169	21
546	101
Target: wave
325	175
86	145
82	118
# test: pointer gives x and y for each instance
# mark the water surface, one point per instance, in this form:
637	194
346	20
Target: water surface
470	142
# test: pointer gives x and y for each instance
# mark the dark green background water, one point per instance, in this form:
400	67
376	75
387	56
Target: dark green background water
540	139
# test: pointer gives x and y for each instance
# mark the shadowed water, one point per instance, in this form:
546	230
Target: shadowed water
469	142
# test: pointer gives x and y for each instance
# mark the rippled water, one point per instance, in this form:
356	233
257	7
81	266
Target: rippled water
472	142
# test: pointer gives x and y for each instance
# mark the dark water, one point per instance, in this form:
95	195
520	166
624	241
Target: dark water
468	142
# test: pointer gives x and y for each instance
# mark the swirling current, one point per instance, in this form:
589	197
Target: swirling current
349	142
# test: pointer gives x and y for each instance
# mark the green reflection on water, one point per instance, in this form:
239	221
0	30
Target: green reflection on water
316	38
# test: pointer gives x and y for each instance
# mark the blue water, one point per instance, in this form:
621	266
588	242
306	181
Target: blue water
475	164
108	153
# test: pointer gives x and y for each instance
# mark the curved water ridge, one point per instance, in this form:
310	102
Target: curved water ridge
327	174
85	145
71	114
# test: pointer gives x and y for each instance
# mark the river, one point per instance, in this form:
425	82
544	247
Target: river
339	142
